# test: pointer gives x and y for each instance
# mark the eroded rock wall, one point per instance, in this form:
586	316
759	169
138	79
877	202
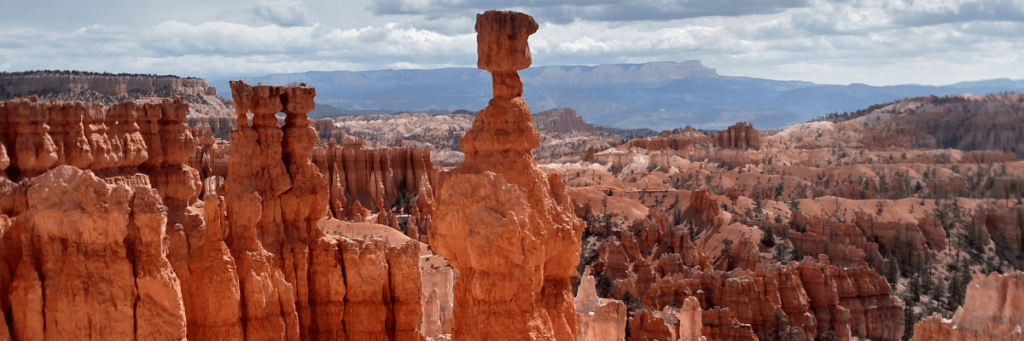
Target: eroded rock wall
121	139
600	319
741	135
393	187
385	183
661	268
991	311
103	234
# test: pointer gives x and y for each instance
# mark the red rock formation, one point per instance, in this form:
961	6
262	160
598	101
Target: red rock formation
295	269
386	182
381	180
721	324
561	120
77	281
680	145
811	297
738	136
843	243
598	319
706	209
1007	221
671	324
653	325
502	222
438	279
115	226
123	249
991	311
108	140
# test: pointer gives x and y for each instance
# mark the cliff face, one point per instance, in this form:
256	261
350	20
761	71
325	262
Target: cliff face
40	135
738	136
383	182
505	225
392	187
108	89
105	237
85	254
991	311
26	83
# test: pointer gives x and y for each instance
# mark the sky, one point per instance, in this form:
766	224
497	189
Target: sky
875	42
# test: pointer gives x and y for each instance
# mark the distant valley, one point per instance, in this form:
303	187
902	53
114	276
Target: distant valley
657	95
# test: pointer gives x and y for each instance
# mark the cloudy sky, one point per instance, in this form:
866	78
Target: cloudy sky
877	42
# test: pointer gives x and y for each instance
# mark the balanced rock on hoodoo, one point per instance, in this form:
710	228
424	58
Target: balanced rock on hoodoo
501	221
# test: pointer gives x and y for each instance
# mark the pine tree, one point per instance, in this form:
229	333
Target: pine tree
782	253
768	239
938	294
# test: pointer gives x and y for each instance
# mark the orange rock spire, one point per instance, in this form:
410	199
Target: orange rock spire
501	221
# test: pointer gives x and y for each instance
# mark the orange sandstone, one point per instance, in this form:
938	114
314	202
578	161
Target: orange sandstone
506	226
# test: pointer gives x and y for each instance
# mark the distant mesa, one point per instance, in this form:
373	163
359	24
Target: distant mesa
109	89
561	120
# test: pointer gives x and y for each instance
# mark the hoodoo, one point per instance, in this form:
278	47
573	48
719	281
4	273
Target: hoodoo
501	221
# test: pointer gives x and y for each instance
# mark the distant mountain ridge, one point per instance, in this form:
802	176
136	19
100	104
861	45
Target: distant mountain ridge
657	95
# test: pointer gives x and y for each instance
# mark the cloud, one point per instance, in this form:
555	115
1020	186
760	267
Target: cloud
565	11
221	48
924	13
284	13
865	41
827	18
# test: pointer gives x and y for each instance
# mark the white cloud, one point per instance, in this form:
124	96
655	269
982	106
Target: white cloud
284	13
867	41
220	48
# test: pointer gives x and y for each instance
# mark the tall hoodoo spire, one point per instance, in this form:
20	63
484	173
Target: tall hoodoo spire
502	222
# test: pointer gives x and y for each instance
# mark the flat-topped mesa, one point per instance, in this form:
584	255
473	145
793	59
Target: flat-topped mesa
502	222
